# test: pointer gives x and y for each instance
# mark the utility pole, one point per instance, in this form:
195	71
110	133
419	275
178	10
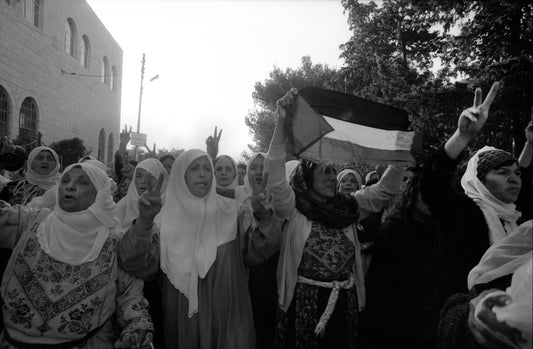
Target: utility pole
143	62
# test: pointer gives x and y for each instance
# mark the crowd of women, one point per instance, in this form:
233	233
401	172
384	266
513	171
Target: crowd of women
199	252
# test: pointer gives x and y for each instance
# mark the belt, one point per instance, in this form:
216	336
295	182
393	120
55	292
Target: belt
335	286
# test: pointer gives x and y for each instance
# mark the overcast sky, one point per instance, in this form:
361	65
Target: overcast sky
208	55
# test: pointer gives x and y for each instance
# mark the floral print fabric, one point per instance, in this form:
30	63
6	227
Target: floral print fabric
60	302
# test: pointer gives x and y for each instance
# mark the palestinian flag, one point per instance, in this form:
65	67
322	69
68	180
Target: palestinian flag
333	127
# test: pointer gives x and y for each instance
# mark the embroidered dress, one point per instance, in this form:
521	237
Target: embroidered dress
319	274
49	302
21	192
328	256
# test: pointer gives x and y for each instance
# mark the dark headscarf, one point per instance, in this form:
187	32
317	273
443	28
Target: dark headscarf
337	212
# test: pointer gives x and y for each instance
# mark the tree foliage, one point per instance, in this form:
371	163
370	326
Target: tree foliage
261	119
70	151
390	55
426	56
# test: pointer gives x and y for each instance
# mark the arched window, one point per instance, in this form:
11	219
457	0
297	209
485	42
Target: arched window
28	121
5	111
85	52
110	145
105	71
33	12
101	146
113	82
70	37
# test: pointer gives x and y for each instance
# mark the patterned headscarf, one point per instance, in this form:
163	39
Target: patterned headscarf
494	210
337	212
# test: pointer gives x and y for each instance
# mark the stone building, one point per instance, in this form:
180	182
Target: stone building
60	75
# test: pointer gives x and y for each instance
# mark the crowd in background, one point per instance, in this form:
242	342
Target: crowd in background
200	251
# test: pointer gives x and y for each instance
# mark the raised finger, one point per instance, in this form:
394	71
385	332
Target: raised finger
130	130
143	200
148	181
469	114
253	182
491	95
477	97
265	181
159	183
219	134
215	135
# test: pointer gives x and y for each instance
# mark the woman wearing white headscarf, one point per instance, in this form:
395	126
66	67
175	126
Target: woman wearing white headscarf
498	311
128	207
349	181
48	199
226	175
42	173
494	196
63	286
200	253
254	169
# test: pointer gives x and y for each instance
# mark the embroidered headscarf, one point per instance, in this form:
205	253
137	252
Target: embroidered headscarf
233	184
346	172
494	210
192	228
43	181
128	207
337	212
78	237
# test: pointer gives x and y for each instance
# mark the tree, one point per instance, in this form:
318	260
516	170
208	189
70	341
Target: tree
390	56
262	119
70	151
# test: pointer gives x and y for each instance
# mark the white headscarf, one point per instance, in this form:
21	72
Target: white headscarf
493	209
128	207
78	237
504	257
44	181
96	163
346	172
192	228
48	199
233	184
245	191
510	256
290	167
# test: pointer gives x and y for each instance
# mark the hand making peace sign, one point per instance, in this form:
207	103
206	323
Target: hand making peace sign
150	202
212	144
259	198
125	136
474	118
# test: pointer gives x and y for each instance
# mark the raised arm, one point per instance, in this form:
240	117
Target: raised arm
14	220
121	156
524	160
471	121
138	250
211	144
283	201
376	197
262	237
